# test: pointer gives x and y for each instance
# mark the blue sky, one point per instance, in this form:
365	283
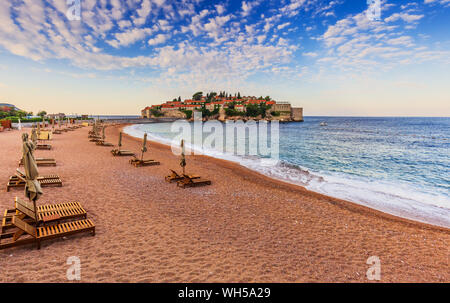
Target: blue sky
327	56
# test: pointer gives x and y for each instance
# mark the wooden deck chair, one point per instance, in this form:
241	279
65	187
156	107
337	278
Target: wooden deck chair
174	177
103	143
46	213
27	233
18	180
189	181
43	146
122	152
138	162
21	174
42	162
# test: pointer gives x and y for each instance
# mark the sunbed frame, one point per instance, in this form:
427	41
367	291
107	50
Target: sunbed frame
39	234
122	152
189	181
46	213
44	146
103	143
174	177
138	162
18	180
42	162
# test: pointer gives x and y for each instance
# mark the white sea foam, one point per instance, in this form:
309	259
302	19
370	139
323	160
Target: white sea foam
399	199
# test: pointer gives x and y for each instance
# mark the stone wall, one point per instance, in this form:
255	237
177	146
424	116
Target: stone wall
297	114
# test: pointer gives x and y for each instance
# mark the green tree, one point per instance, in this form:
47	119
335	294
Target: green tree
156	113
268	98
232	112
179	99
21	113
253	110
263	108
42	113
188	113
197	96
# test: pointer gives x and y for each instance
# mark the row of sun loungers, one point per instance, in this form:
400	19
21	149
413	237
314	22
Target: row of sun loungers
27	223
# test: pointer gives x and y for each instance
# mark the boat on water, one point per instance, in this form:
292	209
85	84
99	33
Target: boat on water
323	124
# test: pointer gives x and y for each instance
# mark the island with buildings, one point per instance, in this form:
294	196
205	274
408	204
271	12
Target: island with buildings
224	106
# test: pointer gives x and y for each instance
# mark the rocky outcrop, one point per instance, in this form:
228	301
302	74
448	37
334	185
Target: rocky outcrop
175	114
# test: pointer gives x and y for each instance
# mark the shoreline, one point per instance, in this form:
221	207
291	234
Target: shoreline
295	187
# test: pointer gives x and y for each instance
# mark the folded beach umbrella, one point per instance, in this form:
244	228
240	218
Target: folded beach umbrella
103	133
39	129
183	157
33	189
120	140
53	123
34	137
144	146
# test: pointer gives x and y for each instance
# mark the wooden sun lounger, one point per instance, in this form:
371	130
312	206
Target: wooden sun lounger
39	234
121	152
138	162
18	180
43	146
42	162
103	143
46	213
188	181
174	177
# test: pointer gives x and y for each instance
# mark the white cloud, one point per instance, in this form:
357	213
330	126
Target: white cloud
159	39
310	54
247	7
293	7
442	2
281	26
129	37
220	9
403	16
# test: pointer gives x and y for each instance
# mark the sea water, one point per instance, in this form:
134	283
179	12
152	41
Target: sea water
399	166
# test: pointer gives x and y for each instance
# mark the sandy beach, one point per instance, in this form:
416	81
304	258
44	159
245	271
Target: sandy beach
243	228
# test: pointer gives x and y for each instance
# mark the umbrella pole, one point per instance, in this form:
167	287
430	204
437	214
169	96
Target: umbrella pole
35	212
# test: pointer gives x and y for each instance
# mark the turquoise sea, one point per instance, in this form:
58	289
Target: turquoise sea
397	165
